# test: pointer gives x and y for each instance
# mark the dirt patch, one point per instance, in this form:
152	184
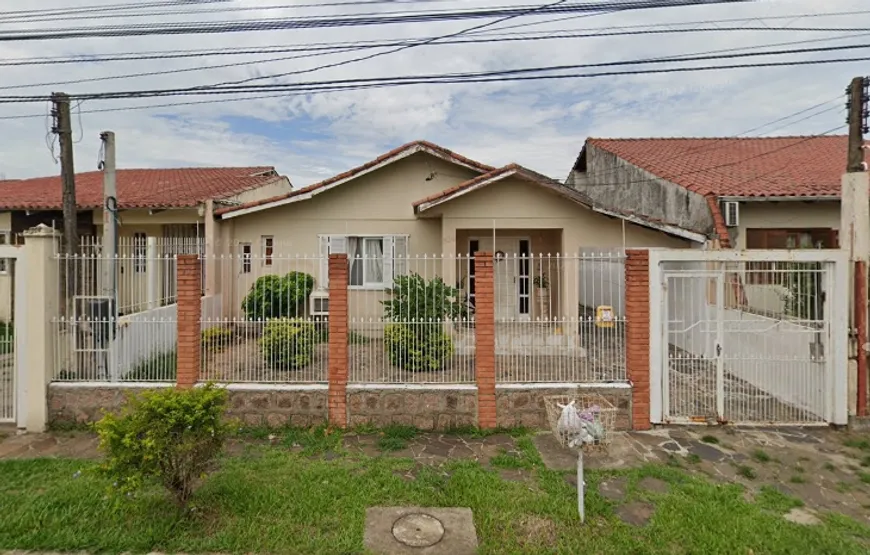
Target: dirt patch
635	513
536	530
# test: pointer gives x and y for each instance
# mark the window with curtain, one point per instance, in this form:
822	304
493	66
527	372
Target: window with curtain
374	260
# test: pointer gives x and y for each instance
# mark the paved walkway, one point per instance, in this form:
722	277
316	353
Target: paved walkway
826	469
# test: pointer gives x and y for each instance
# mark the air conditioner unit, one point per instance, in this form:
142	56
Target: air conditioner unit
319	303
731	212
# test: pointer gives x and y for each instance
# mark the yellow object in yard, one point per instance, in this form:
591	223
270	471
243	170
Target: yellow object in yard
604	316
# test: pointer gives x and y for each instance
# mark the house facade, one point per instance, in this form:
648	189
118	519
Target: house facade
742	193
422	200
160	212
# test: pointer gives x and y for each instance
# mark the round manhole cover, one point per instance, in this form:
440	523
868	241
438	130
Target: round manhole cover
418	530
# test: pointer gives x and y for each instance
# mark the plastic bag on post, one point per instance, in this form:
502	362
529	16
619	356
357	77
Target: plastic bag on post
569	425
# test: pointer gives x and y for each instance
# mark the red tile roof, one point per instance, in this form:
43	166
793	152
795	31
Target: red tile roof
414	146
140	188
809	166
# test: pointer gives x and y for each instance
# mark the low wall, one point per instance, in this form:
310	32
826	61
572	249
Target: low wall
524	406
81	403
427	409
430	408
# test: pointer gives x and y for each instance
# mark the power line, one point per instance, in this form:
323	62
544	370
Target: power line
368	83
146	29
286	58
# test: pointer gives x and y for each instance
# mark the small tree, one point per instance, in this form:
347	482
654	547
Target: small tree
273	296
169	436
417	341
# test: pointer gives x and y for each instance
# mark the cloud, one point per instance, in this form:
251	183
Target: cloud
541	124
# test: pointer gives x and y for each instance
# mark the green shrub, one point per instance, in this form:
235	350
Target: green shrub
274	296
169	436
288	343
417	352
417	341
215	339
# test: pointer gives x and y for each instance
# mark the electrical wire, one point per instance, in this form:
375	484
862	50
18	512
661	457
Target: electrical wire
221	27
286	58
368	83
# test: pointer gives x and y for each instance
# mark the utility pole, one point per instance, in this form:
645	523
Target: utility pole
63	129
110	251
855	227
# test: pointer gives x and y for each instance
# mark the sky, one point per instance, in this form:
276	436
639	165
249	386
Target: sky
539	124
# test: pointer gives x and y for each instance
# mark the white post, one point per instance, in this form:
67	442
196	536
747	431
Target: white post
154	269
581	488
41	301
110	223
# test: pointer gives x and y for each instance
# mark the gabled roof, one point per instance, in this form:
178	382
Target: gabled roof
385	159
799	166
498	174
515	170
138	188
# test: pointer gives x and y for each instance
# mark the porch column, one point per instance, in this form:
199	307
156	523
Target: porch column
211	233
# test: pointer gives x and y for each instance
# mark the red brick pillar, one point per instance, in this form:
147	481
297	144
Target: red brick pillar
189	293
337	368
637	327
484	339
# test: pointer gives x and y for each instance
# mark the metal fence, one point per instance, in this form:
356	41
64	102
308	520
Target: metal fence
133	339
560	318
411	320
262	325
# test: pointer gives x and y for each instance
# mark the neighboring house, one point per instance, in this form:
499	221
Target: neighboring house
742	193
172	205
422	199
745	193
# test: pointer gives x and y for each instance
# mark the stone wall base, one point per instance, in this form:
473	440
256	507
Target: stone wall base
426	409
525	406
82	404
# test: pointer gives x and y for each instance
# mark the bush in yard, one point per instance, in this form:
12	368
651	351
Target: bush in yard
168	436
215	339
416	341
417	352
273	296
288	343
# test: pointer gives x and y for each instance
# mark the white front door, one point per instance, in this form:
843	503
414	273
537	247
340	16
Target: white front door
506	262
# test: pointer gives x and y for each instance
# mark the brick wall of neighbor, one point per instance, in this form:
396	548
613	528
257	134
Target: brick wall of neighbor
425	409
277	408
637	315
525	407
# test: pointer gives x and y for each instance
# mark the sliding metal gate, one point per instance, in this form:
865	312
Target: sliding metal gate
750	341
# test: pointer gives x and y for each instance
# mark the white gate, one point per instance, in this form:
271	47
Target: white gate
11	307
751	337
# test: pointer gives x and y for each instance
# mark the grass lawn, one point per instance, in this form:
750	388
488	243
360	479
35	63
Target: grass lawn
268	499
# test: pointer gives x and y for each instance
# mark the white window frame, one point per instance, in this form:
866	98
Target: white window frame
393	265
268	259
140	252
246	258
4	263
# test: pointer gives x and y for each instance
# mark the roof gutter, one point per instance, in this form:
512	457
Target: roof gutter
665	228
819	198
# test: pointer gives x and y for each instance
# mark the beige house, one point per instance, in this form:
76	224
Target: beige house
744	193
423	200
160	212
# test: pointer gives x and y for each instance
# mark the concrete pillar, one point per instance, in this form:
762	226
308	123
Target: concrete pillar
39	274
